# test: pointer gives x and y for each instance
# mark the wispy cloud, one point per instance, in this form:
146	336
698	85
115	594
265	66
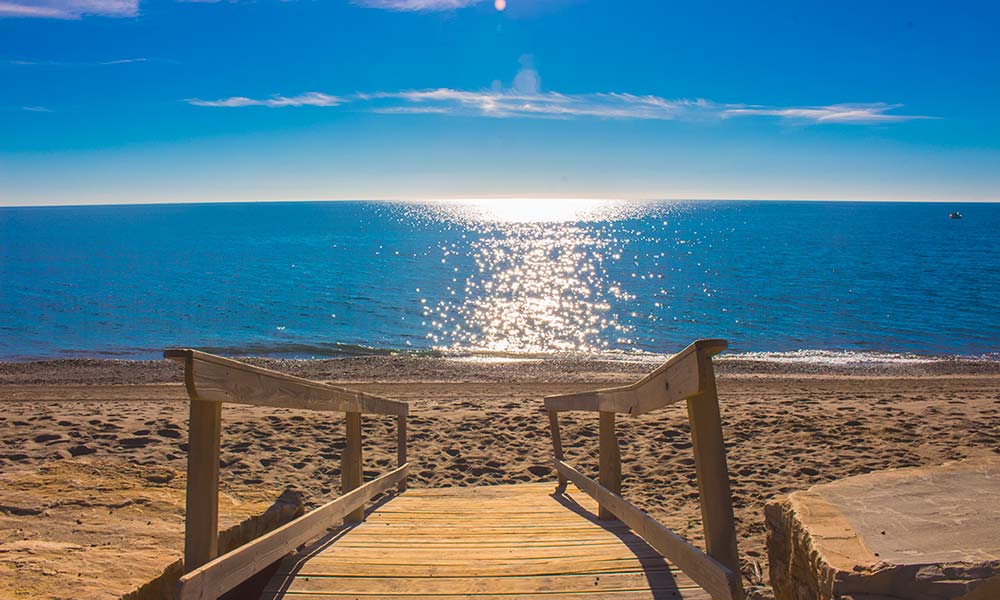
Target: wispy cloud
398	5
57	63
553	105
416	5
524	99
875	112
543	105
40	109
306	99
623	106
68	9
124	61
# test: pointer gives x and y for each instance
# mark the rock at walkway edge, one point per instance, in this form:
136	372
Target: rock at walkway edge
923	533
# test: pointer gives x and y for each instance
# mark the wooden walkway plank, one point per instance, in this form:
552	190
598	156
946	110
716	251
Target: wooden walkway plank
478	585
515	541
336	568
591	595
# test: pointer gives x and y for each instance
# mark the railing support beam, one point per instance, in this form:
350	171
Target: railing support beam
713	474
610	461
401	448
350	464
557	448
201	516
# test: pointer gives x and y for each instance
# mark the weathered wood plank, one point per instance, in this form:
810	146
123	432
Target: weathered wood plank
321	564
610	460
226	572
676	380
500	491
557	449
716	578
713	474
512	547
351	474
318	567
591	595
401	447
430	555
201	512
553	564
608	582
217	379
492	558
489	535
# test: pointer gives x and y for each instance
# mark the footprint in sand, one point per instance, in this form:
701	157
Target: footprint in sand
80	450
135	442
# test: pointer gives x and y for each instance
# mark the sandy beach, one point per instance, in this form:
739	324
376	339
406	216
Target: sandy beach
472	423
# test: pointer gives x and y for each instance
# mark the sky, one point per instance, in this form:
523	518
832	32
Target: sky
135	101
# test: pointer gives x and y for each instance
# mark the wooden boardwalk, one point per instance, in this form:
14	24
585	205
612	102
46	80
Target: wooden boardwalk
507	541
481	542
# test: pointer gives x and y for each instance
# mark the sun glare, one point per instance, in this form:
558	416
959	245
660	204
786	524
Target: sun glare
533	210
539	283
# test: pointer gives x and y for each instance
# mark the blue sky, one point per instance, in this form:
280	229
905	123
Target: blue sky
165	101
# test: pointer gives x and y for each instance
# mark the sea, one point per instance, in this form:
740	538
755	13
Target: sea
502	279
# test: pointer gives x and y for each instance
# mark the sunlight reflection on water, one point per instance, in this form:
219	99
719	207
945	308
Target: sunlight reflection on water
499	278
535	210
540	283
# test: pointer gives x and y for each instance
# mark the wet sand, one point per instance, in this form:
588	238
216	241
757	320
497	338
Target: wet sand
481	423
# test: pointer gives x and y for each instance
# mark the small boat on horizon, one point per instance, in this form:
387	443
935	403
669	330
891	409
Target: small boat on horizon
955	215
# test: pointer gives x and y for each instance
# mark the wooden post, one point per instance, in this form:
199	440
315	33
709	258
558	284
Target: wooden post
611	461
350	464
713	475
557	449
201	516
401	448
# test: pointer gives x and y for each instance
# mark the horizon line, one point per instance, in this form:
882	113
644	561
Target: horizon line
497	199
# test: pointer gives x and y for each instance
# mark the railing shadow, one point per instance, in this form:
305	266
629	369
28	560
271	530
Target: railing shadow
315	549
662	583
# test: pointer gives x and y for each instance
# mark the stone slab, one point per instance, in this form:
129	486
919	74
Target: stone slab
929	533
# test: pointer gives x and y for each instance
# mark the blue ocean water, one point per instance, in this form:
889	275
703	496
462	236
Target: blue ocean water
508	277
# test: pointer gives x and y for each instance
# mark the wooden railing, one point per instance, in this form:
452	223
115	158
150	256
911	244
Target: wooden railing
688	376
212	380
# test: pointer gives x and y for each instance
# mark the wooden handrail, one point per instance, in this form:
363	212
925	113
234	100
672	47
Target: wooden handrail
678	379
211	380
217	577
214	378
687	376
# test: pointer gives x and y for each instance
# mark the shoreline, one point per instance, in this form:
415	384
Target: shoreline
105	371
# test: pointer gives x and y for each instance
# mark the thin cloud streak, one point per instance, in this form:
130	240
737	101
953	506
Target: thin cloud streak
416	5
68	9
548	105
307	99
56	63
124	61
553	105
836	113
